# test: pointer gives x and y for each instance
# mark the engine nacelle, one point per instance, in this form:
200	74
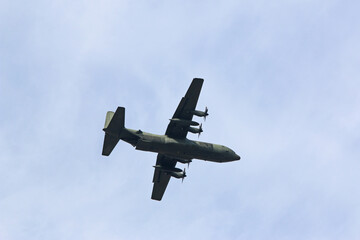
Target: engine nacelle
184	122
201	113
174	172
177	174
183	160
195	130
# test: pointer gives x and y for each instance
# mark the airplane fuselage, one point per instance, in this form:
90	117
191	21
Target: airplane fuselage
182	149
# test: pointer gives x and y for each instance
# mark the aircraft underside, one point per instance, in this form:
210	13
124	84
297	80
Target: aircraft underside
173	147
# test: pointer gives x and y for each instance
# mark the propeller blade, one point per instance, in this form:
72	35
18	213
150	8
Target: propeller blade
206	113
184	175
200	130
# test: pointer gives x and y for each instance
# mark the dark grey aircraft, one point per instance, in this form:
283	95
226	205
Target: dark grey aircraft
172	147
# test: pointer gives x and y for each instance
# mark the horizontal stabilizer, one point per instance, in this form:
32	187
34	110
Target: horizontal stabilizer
109	144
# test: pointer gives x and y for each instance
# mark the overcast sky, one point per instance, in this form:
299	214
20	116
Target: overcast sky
282	82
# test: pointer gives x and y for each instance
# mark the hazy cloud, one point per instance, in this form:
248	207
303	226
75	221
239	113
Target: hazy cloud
281	83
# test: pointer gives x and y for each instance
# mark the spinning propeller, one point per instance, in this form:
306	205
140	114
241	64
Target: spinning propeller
206	113
200	130
183	176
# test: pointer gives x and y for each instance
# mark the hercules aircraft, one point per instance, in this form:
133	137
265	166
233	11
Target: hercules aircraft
172	147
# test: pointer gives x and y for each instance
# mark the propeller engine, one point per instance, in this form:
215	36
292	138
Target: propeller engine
174	172
201	113
196	130
188	161
184	122
180	160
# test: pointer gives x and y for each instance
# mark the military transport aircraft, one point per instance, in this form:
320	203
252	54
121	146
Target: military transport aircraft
172	147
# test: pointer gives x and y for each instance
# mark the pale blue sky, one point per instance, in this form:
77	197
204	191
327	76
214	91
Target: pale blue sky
282	82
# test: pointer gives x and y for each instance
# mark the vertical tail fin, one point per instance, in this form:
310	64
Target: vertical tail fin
109	116
114	124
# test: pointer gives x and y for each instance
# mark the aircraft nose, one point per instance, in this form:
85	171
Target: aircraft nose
237	157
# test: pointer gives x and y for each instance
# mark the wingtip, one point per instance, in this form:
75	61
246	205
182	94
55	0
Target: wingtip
156	199
198	79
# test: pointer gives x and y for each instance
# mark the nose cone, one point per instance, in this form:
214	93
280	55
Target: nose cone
237	157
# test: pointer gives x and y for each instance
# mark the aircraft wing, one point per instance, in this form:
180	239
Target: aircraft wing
161	179
185	110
